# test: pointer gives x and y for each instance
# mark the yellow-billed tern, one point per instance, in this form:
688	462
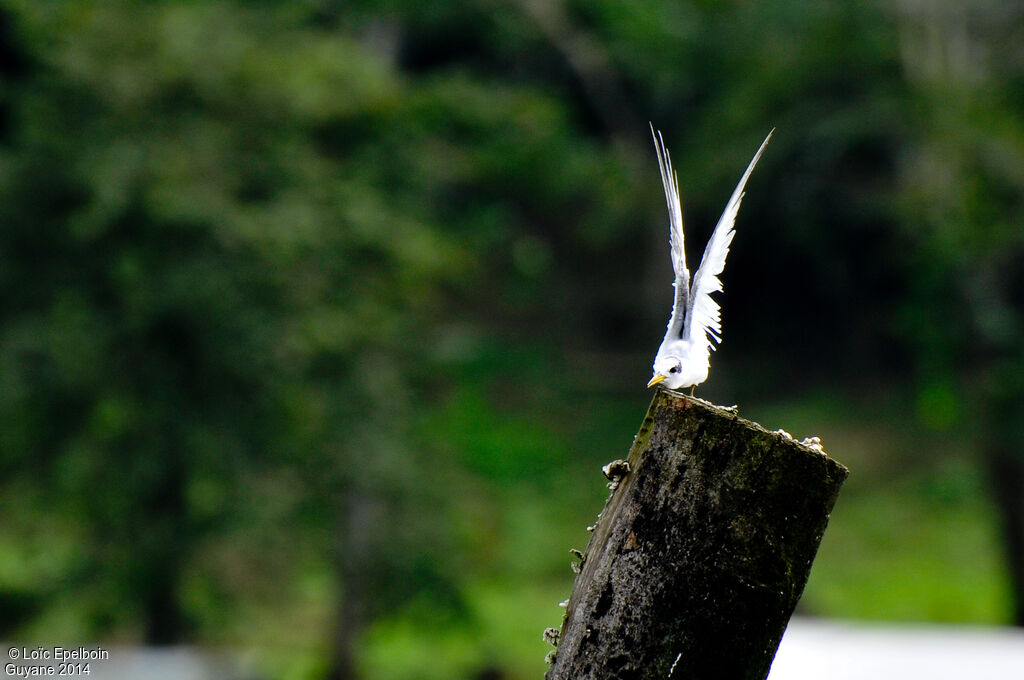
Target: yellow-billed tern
685	354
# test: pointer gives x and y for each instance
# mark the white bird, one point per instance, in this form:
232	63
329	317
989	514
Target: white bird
684	357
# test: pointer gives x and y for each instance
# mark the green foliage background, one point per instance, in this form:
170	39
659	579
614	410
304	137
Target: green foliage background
317	319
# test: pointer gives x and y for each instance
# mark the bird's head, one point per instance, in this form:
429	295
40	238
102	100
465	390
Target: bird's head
667	370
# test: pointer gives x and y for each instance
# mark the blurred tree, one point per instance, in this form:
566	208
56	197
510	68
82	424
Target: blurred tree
205	285
963	178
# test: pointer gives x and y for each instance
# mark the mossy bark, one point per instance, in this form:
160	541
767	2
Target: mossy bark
701	552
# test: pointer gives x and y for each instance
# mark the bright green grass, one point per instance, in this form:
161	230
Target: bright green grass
904	552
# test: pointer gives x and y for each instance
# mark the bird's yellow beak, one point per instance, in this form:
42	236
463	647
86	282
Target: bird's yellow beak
655	380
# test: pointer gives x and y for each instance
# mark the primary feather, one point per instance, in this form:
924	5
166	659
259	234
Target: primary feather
684	356
703	313
670	182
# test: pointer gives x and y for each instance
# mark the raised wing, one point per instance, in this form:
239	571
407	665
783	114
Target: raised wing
703	323
675	238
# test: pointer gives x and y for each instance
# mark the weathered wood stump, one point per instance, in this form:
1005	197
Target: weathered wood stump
701	552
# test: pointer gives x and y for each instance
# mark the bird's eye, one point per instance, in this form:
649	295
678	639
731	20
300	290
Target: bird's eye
674	369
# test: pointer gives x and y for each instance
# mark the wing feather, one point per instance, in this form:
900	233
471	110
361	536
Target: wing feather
703	322
670	182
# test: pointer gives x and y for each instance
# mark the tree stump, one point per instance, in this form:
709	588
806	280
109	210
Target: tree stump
701	552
